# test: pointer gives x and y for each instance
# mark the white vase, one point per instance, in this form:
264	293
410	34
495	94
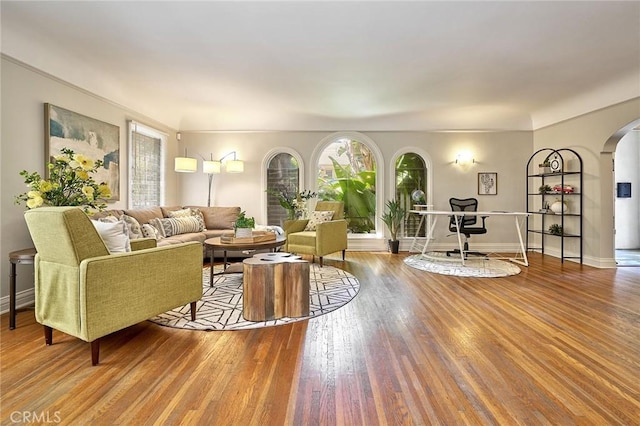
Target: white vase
558	207
244	232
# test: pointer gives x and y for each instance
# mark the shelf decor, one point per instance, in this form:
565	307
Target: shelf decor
559	206
554	179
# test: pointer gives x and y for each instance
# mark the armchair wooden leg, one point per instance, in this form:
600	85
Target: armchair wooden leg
321	261
95	352
193	311
343	253
48	335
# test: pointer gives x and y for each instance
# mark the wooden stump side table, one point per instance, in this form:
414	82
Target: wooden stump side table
19	257
274	287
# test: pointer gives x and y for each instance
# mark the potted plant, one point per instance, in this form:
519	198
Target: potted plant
555	229
393	218
244	225
545	166
545	189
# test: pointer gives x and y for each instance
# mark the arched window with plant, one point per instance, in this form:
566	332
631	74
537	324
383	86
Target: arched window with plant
411	175
283	180
347	172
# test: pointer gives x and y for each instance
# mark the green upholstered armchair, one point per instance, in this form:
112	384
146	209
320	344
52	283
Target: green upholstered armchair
329	237
82	290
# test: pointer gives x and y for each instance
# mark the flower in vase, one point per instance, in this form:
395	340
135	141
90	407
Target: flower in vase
70	184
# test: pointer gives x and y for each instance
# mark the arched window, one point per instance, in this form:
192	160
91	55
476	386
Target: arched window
411	176
283	176
346	171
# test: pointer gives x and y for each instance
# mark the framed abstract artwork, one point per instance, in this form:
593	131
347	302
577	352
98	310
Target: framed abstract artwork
87	136
487	183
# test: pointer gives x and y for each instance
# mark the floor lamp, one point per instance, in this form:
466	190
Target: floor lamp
212	167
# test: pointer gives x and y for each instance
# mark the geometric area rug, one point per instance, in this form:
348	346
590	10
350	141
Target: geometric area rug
221	305
481	267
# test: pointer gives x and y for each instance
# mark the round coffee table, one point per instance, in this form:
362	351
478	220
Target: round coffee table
212	244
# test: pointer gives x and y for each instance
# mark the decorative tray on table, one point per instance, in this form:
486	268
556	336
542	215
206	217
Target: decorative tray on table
257	237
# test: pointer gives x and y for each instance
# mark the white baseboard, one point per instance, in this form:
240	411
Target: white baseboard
23	298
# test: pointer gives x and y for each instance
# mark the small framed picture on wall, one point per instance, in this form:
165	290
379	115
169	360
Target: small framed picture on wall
487	183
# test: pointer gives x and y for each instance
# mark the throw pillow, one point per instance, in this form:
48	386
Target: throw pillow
157	224
180	213
114	235
133	227
149	231
108	219
179	225
318	217
198	215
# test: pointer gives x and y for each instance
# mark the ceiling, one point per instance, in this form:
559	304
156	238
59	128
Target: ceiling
337	65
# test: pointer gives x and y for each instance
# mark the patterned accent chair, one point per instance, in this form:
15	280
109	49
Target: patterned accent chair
329	237
83	290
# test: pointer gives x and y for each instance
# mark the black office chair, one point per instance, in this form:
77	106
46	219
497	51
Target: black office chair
466	223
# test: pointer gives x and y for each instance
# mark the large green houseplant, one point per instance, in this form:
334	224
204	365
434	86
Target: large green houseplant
393	218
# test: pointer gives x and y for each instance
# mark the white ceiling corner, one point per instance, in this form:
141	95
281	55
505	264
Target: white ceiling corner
310	65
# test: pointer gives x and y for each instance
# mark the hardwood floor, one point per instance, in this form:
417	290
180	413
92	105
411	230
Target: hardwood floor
557	344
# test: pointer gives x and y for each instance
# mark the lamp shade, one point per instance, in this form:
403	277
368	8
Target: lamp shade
211	167
234	166
186	165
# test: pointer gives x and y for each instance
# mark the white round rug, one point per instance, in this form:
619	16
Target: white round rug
439	263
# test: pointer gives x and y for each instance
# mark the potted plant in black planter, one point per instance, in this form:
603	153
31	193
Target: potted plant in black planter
393	218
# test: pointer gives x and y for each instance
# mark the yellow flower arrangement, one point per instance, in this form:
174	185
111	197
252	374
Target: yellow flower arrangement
70	184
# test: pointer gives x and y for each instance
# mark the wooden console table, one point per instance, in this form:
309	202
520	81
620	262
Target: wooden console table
275	285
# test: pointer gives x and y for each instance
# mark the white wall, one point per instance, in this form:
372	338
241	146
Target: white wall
24	92
627	210
503	152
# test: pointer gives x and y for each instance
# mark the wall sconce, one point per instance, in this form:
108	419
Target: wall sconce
465	158
185	164
212	167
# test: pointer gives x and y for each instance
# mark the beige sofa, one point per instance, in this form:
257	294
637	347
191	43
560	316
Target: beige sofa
217	221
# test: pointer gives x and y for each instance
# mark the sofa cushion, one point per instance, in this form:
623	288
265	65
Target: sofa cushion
191	236
133	227
318	217
114	235
179	225
166	210
146	214
149	231
219	217
106	213
179	213
198	215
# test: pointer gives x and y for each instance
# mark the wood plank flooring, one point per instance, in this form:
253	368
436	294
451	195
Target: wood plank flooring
558	344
